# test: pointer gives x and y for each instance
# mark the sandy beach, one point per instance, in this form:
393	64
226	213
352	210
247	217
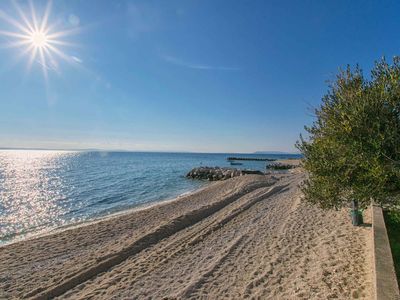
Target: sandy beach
246	237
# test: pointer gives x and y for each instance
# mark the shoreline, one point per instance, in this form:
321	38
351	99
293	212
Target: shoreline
106	217
248	236
132	209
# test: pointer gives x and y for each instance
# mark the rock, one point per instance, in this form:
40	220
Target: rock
252	172
217	173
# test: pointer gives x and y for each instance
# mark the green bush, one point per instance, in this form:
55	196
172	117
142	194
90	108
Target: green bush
353	148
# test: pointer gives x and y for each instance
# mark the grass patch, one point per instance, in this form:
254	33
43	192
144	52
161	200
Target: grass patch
392	220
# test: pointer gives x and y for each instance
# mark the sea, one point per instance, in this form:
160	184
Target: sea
45	190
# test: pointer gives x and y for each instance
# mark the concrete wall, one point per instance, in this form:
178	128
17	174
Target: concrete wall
386	287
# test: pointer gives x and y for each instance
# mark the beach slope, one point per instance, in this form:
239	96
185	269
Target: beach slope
243	237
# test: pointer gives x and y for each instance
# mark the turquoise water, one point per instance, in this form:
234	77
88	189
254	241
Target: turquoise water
43	190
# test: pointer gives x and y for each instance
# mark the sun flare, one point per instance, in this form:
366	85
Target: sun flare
36	38
39	39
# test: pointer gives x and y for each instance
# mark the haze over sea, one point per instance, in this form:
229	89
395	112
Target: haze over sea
41	190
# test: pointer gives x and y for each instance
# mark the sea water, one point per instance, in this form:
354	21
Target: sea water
41	190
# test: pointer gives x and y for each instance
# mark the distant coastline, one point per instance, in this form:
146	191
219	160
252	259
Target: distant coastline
147	151
277	153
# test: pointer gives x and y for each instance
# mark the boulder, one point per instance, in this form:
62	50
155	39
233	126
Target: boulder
217	173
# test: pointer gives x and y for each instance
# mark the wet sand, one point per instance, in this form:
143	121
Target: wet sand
245	237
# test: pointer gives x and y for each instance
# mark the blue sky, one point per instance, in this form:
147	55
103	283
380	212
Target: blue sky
207	76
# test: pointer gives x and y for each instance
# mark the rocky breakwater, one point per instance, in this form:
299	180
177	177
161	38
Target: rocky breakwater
217	173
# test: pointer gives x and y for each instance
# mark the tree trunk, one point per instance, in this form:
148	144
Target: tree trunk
356	216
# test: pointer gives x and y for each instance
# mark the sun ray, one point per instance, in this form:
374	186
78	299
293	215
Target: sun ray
13	22
43	63
16	44
31	57
34	19
62	43
54	65
59	53
37	37
46	16
19	55
63	33
14	34
25	51
23	17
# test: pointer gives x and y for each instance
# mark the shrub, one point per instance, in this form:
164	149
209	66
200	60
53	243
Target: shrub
353	148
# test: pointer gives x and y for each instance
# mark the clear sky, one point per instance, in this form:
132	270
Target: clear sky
207	76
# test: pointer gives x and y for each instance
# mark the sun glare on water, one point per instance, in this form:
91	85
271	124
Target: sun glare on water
36	37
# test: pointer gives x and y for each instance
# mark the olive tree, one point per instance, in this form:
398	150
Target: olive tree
352	152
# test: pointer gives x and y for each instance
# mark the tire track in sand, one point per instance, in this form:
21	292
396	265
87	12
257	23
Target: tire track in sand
72	280
163	254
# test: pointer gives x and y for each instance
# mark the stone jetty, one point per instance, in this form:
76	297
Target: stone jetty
217	173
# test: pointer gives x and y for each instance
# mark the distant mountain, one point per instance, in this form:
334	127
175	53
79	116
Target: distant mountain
274	152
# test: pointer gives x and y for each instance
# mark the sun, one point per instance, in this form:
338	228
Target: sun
37	38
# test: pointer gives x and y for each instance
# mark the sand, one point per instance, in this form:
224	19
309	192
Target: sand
246	237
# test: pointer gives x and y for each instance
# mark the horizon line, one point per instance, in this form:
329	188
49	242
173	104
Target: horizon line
146	151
